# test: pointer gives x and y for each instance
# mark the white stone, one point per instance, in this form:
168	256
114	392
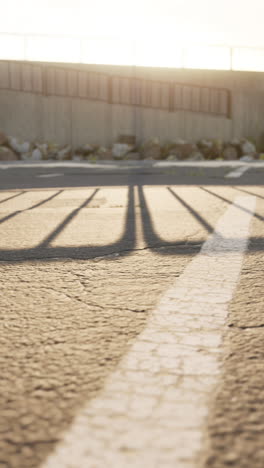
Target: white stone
36	155
121	149
19	147
247	147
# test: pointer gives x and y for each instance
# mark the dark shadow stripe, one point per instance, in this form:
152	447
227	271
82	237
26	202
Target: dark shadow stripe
44	201
154	241
66	221
261	218
15	213
248	192
10	216
191	210
125	244
182	247
13	196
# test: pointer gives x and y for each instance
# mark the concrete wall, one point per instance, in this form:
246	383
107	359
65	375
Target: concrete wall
76	121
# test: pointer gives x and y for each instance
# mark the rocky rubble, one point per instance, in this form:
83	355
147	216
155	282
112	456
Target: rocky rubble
151	149
126	148
7	154
3	139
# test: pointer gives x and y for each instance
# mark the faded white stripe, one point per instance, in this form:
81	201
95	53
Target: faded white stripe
237	172
153	408
57	174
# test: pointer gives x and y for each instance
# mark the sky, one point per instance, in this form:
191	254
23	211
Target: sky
229	22
147	24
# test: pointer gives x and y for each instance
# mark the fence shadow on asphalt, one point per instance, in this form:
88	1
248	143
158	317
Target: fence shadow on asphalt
127	242
220	197
13	196
46	357
18	212
248	192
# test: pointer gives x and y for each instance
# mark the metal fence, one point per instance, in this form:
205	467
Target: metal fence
48	80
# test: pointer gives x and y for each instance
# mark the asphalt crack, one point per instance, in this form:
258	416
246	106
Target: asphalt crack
183	245
246	327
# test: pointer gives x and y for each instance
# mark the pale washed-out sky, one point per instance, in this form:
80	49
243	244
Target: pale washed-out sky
141	32
227	22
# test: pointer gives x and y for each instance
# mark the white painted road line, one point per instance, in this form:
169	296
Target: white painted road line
57	174
119	164
152	411
237	172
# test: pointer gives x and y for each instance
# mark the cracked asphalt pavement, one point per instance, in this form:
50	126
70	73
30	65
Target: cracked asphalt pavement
85	260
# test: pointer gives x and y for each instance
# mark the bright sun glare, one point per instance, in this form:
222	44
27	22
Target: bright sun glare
166	33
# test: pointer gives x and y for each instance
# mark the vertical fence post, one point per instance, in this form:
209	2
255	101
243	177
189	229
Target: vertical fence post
229	104
44	80
110	90
171	97
9	75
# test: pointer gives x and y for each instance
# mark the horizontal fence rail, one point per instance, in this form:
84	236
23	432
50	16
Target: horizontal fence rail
70	82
